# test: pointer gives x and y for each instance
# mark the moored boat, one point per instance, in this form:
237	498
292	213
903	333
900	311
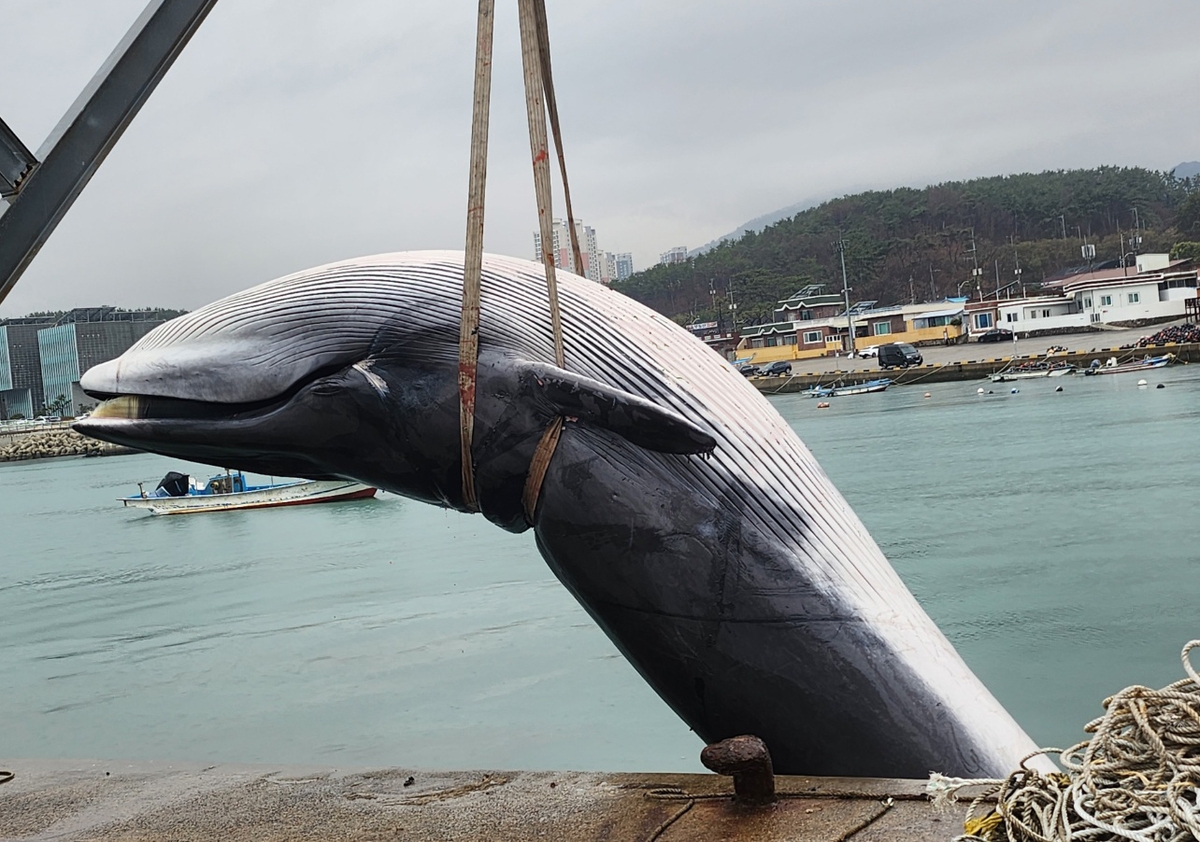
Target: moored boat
838	390
180	494
1112	367
1032	373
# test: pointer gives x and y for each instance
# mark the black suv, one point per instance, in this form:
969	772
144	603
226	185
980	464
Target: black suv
899	354
779	368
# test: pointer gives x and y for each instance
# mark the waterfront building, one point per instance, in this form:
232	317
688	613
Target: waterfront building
593	266
81	339
679	254
717	335
1156	289
813	323
21	366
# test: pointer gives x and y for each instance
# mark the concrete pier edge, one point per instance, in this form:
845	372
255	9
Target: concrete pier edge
105	801
968	369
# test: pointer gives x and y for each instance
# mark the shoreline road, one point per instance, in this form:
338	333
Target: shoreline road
978	352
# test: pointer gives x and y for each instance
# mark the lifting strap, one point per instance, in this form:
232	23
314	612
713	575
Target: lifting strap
539	95
468	334
552	106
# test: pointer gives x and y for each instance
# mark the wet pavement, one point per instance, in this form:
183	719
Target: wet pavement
73	801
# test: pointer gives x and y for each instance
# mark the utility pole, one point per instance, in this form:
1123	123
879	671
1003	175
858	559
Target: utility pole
1121	247
932	290
841	247
976	272
1136	239
912	293
1017	271
1017	261
732	307
1063	220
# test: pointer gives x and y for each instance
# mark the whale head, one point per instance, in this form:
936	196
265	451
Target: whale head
352	371
310	376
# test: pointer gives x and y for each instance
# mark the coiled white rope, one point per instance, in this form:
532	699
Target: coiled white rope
1137	778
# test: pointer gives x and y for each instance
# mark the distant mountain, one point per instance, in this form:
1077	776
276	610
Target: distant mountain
946	239
759	223
1188	169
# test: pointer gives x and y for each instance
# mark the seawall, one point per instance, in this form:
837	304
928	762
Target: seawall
968	369
50	443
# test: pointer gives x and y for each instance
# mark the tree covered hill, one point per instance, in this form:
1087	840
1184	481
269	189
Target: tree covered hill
909	243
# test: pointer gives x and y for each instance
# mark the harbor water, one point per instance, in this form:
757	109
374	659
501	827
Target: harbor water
1049	534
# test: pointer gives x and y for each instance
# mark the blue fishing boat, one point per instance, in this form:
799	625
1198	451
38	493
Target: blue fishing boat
179	493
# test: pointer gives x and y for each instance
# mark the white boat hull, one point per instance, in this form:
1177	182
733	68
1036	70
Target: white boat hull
1126	368
298	493
1004	377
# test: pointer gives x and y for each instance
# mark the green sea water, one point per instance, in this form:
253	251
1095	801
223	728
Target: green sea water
1050	534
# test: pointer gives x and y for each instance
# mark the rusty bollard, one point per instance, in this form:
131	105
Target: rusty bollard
746	759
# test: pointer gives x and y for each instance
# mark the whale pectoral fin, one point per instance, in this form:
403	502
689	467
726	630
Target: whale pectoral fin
636	419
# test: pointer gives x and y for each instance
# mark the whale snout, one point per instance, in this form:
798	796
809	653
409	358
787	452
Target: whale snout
226	370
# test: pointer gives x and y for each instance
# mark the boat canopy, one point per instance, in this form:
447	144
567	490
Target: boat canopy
174	484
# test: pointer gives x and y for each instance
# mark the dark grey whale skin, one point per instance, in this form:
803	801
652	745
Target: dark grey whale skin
678	509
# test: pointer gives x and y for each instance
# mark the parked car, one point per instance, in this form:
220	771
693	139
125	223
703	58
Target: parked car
748	370
873	351
996	334
779	368
899	354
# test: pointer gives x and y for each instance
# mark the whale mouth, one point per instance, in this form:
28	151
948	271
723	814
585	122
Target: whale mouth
264	435
149	407
145	408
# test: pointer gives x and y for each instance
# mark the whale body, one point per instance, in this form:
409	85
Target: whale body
679	508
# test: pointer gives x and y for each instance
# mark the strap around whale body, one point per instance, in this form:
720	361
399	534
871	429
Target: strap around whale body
538	466
535	56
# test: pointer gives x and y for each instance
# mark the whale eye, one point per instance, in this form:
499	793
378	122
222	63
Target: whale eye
326	387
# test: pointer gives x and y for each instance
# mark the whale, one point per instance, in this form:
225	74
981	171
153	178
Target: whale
679	508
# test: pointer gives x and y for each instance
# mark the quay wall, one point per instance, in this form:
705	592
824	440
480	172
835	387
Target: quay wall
970	369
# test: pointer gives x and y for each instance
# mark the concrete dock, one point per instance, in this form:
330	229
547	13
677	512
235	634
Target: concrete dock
101	801
970	362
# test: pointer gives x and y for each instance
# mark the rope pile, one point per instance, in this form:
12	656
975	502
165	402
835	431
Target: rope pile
1137	778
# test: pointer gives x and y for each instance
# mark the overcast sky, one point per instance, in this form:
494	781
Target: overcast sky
293	132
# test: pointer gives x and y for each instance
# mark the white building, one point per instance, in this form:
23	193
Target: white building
1155	290
593	267
679	254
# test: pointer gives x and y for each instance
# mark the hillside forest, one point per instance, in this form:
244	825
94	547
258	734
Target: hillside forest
910	244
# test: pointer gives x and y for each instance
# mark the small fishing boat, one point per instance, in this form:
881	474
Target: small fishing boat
1112	367
1032	373
180	494
839	390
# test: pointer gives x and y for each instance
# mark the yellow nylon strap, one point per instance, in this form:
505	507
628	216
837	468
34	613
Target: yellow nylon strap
539	8
535	61
535	108
468	334
538	466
